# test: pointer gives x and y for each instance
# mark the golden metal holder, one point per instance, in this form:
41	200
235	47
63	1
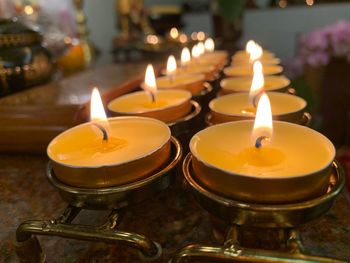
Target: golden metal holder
205	96
28	248
283	218
188	123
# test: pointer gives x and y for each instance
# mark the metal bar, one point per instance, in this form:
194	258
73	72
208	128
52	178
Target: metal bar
50	228
238	254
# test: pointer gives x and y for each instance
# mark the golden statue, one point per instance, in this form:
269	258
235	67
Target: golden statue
132	19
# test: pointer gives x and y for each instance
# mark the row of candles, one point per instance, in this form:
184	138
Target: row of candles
240	157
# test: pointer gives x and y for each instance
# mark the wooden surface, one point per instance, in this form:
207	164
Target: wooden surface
31	118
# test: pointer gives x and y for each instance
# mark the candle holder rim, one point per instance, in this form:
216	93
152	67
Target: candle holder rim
278	70
207	89
114	164
337	187
286	95
188	98
120	188
196	110
199	77
265	177
264	61
283	77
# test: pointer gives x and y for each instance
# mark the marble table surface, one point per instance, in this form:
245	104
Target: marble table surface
172	218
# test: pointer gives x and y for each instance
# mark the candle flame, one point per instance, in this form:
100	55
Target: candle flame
194	36
200	48
185	56
263	120
174	33
97	112
257	82
200	36
152	39
209	45
250	46
256	53
183	38
195	51
150	81
171	65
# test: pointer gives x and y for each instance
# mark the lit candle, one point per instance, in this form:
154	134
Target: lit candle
244	56
236	106
209	45
171	67
242	160
200	36
257	86
183	38
243	84
185	57
195	52
150	82
174	33
109	152
200	48
247	70
165	105
255	54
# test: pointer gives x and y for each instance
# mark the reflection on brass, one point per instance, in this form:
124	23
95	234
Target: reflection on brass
28	248
283	218
265	215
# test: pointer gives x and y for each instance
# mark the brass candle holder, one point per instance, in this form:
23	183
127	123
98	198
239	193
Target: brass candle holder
183	129
282	219
115	198
304	120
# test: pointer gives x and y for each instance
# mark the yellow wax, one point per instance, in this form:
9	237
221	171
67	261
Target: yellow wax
234	104
264	62
141	101
248	70
178	80
129	138
244	83
243	55
195	69
293	151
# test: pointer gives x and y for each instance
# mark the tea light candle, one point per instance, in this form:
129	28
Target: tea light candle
243	84
164	105
174	33
107	152
243	161
237	106
247	71
191	82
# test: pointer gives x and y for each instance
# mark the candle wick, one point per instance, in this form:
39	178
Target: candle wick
153	97
103	130
171	78
258	142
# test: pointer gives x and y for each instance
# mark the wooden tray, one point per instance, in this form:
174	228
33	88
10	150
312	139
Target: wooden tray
31	118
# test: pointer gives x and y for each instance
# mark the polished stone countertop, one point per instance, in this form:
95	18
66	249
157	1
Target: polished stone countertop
172	218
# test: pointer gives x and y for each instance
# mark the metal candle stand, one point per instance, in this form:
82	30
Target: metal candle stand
283	220
115	199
